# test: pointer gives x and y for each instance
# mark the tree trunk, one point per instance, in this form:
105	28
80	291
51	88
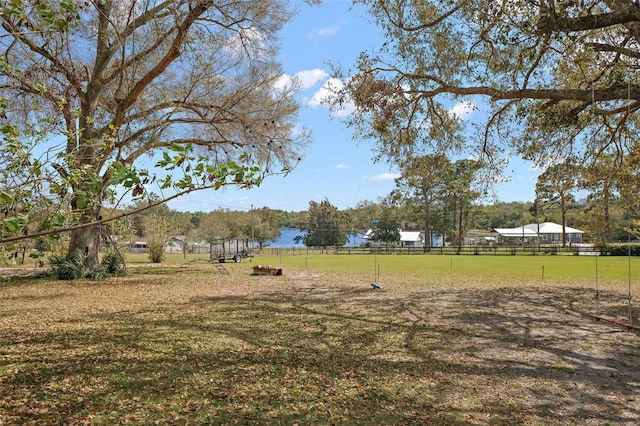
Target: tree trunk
427	227
563	209
460	230
86	202
607	224
87	241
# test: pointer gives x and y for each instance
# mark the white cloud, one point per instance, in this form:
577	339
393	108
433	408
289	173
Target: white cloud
325	95
342	166
310	78
301	80
382	177
462	110
283	82
325	32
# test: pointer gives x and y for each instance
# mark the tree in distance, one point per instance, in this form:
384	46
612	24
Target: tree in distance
324	225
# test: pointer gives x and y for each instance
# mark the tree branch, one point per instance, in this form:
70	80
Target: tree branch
110	219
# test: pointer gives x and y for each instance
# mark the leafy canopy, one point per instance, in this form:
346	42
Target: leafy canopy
555	79
107	98
324	225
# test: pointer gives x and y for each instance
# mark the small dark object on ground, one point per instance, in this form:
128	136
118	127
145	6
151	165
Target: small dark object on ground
266	270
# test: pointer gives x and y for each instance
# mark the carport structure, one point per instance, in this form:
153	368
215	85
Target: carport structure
543	233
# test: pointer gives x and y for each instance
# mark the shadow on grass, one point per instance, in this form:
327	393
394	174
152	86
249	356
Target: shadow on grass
331	355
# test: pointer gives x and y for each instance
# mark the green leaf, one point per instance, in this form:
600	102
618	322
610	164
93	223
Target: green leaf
166	182
6	198
126	176
36	255
12	224
166	160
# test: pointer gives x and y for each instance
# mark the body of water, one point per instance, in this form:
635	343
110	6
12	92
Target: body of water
288	235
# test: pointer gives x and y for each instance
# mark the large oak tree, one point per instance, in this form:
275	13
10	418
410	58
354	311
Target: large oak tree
555	78
94	93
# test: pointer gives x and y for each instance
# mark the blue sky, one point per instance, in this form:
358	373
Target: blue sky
334	165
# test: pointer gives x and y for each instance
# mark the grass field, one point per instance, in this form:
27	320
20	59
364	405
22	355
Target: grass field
463	340
588	270
531	268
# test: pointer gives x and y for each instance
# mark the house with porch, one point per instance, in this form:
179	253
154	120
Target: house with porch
548	233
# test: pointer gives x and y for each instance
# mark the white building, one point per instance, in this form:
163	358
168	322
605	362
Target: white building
546	233
411	239
407	238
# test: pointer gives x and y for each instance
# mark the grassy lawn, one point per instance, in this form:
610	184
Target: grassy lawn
610	269
587	270
463	340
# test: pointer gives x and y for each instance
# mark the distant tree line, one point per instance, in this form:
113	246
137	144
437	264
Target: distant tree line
432	195
323	224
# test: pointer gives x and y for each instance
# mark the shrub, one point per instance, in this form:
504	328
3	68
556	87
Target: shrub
112	263
624	249
98	275
70	267
156	251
